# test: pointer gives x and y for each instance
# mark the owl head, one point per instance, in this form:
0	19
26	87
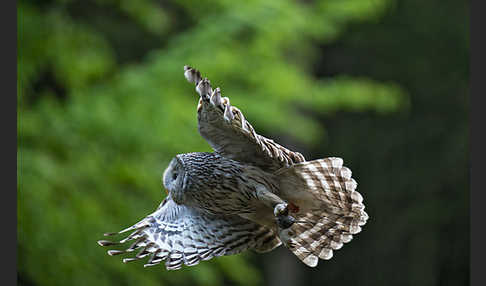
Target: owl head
188	172
173	180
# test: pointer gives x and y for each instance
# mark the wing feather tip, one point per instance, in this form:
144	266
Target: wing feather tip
192	75
115	252
106	242
126	260
311	260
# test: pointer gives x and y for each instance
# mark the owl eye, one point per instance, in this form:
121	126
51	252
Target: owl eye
174	175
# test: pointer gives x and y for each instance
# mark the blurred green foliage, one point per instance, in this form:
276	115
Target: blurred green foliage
103	106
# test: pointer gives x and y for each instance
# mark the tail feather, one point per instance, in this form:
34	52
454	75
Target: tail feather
331	211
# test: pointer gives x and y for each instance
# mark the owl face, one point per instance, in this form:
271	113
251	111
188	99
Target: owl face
173	180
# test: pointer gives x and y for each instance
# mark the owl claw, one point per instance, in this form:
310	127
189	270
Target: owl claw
281	210
284	220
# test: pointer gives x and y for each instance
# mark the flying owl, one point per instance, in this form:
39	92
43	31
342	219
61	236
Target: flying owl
250	193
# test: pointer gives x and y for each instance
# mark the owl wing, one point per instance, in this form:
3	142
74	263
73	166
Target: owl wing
183	235
230	134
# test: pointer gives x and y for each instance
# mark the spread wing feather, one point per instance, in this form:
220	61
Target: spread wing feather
225	128
183	235
332	211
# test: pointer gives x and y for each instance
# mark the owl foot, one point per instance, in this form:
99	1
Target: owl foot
284	220
281	209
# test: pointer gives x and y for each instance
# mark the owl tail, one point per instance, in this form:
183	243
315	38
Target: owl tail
327	208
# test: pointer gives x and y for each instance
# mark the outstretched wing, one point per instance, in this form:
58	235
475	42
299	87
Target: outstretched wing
229	134
182	235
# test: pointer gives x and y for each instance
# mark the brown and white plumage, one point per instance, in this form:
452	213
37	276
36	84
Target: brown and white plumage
332	210
230	134
251	193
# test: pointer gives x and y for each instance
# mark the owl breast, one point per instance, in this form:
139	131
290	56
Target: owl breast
218	185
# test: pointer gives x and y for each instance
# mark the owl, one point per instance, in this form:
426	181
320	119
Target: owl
249	194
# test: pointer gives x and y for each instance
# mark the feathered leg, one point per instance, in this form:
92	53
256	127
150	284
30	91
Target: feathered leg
279	206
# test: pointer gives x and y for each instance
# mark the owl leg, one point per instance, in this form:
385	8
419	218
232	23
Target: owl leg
279	206
284	220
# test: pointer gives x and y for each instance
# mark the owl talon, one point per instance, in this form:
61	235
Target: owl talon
281	210
285	222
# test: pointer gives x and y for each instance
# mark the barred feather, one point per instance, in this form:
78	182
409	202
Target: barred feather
181	235
230	134
238	201
331	213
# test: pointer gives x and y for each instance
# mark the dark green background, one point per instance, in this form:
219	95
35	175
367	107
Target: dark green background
103	106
